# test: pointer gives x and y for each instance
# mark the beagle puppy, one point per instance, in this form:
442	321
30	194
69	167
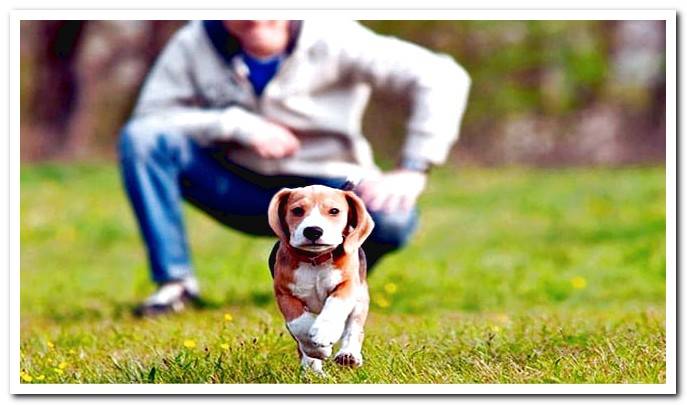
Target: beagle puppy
319	271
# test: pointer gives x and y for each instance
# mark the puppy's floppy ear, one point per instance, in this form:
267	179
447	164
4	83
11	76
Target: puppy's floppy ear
359	220
276	214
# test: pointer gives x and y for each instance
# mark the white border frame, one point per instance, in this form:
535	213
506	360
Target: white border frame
415	14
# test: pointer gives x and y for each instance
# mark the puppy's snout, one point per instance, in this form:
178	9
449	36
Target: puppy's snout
313	233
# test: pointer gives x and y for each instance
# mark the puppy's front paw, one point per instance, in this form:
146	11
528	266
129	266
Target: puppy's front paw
324	333
349	359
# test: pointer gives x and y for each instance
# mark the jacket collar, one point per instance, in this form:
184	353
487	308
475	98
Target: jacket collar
227	46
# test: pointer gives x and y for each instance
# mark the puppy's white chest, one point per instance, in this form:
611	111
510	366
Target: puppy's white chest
312	284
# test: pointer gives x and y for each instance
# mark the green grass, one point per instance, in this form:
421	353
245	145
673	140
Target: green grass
515	276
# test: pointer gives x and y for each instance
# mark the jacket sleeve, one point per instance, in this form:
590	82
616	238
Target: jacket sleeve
437	86
170	96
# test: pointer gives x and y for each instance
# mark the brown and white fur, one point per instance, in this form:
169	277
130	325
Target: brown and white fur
319	271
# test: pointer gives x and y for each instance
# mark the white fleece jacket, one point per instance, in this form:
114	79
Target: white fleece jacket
319	92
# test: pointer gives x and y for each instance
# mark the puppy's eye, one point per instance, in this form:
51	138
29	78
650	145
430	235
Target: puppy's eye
333	211
298	211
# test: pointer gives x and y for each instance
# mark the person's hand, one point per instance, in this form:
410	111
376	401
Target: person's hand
397	190
274	142
268	139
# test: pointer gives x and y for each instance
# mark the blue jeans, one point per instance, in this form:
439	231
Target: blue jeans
160	167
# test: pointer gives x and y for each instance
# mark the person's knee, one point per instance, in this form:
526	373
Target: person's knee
394	229
141	139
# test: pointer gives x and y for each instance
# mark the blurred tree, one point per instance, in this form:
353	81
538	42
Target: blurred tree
56	88
638	59
112	66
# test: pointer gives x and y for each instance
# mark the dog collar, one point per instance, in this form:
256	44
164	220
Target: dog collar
319	258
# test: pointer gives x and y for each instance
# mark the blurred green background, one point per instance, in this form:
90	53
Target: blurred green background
544	92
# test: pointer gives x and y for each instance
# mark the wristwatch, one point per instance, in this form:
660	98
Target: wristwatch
415	164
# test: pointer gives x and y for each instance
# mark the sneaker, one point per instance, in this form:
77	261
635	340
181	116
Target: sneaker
170	297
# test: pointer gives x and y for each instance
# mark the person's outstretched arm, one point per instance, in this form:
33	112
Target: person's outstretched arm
437	88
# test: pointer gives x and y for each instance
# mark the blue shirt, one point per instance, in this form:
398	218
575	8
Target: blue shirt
261	71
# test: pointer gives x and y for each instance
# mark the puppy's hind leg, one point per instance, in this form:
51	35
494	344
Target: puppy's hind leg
350	353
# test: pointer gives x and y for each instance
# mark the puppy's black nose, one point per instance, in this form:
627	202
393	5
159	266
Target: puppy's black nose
313	233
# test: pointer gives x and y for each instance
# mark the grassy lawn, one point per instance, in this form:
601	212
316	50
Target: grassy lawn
516	276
